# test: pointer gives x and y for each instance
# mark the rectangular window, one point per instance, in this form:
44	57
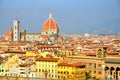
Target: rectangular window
94	72
90	65
99	72
94	65
100	65
2	70
15	27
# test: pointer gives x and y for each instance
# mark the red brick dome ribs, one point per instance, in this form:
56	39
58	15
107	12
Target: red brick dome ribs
50	24
50	29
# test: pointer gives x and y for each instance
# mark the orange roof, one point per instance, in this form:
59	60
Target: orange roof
46	46
91	54
47	50
25	57
26	64
2	51
50	24
14	51
45	36
60	37
71	64
3	40
112	53
9	32
49	55
110	47
47	59
22	57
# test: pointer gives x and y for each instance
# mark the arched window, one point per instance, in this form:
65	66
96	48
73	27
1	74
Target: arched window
52	32
15	27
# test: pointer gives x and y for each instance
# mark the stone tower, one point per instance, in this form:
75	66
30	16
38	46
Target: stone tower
23	35
101	52
16	30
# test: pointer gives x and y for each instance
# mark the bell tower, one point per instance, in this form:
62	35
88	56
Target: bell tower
101	52
16	30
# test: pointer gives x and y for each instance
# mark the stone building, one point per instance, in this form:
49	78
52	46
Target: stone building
100	65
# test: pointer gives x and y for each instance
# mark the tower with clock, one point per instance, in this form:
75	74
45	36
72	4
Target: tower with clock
101	52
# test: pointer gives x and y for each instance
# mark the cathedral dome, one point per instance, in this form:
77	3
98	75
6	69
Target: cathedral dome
9	32
50	24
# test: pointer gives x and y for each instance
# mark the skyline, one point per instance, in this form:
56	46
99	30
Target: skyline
73	16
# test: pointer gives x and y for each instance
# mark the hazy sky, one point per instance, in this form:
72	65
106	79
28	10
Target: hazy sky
73	16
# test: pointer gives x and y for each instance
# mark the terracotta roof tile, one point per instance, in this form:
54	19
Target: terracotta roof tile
26	64
112	53
71	64
50	24
47	59
14	51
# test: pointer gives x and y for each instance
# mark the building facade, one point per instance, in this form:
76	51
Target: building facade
33	37
2	69
71	71
46	67
94	64
100	65
112	68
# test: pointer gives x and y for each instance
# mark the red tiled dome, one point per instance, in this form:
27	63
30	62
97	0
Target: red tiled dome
9	32
50	24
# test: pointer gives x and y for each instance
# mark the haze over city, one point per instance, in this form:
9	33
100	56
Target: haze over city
60	40
73	16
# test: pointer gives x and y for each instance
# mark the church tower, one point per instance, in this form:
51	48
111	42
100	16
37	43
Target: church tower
16	30
101	52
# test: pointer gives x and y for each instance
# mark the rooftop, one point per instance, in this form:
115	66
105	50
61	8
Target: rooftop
71	64
47	59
